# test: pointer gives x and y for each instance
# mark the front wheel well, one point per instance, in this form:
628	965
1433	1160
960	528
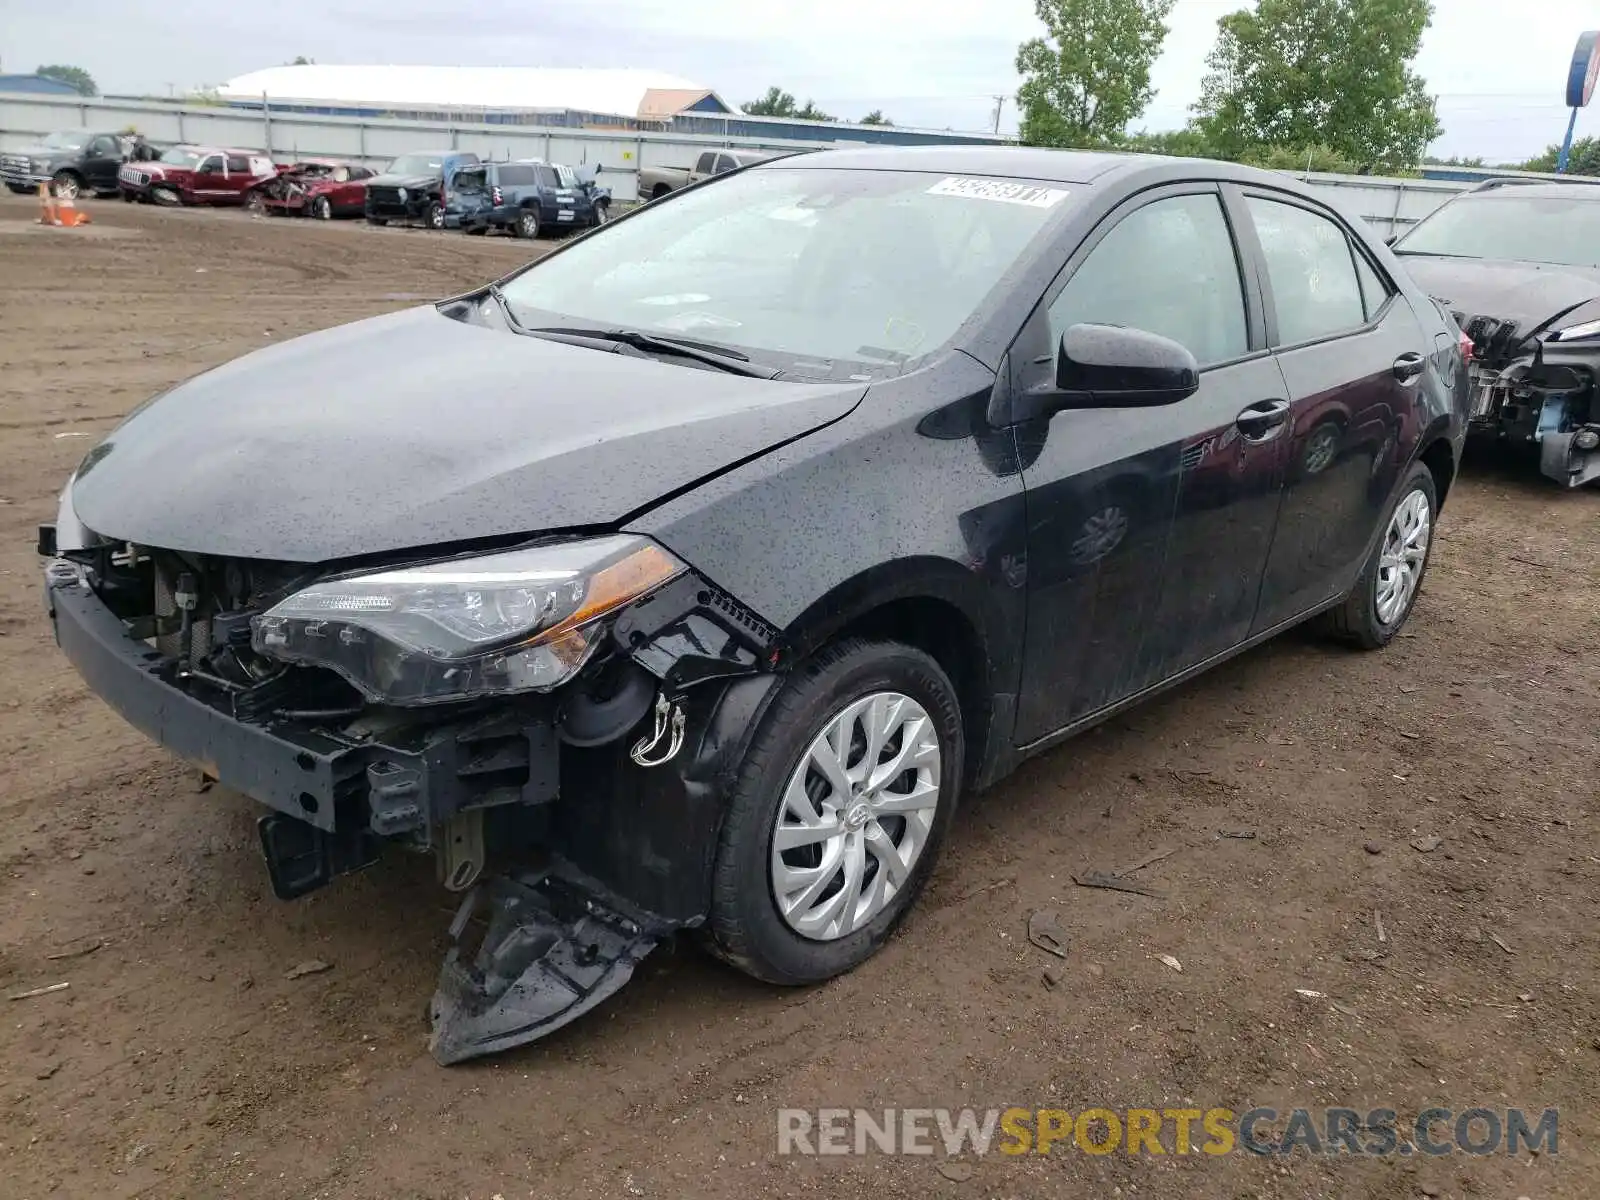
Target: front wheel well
943	632
1440	460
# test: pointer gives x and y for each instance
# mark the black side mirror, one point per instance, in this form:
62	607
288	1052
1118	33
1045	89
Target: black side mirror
1108	366
1391	239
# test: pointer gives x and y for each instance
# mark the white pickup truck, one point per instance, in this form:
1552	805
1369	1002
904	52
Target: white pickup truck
655	182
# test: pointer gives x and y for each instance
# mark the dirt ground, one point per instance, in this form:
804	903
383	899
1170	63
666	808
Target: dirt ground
183	1062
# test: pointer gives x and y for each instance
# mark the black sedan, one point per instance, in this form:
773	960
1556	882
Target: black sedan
687	578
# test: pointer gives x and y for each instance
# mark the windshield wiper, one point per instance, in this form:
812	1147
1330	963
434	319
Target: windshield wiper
723	358
504	305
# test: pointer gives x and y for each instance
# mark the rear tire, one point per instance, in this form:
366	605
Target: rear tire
1377	607
377	220
747	927
526	224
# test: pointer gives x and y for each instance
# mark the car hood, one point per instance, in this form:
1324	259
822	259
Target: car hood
1530	294
415	429
42	152
406	181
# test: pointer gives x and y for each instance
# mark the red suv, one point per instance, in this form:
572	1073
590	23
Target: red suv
195	175
319	187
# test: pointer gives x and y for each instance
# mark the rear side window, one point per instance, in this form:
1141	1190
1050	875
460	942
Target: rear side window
1374	291
545	175
238	164
516	176
1312	269
1168	268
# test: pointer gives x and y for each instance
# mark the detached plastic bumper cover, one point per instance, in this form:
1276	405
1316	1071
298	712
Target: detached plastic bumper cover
551	952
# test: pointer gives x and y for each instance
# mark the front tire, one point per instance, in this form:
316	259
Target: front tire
1377	607
377	220
66	185
433	215
837	813
322	209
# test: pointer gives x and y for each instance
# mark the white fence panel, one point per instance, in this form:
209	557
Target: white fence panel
1391	205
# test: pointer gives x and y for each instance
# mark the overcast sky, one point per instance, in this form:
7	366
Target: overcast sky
1498	68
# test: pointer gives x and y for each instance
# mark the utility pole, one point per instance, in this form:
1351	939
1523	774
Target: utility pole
999	104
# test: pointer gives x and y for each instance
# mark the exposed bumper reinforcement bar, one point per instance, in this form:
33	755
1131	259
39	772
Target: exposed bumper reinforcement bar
550	953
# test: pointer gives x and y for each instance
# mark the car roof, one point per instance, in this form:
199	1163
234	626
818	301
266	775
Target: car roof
1085	167
1019	162
1548	191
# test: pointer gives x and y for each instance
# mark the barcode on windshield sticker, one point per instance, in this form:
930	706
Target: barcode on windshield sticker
996	189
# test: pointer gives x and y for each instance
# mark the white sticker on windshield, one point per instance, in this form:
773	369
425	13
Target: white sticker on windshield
998	189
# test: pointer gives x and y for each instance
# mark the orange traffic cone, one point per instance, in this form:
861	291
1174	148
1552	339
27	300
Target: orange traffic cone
68	213
47	206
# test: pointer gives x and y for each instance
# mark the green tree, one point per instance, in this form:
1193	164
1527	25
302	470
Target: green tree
1585	158
1090	74
76	76
875	117
1329	73
300	60
776	103
1455	160
810	112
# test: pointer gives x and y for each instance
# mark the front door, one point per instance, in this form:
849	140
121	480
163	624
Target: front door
1148	529
210	181
1351	352
101	162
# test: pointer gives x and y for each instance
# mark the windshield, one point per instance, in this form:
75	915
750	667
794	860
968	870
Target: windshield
820	270
180	157
67	139
417	164
1540	229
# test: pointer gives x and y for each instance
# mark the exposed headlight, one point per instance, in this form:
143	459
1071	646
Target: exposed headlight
520	621
401	193
1574	333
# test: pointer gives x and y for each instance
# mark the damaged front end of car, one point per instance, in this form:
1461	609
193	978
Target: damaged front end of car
1537	389
551	720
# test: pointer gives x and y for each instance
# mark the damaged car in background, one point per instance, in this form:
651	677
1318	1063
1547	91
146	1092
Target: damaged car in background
1518	266
684	579
323	188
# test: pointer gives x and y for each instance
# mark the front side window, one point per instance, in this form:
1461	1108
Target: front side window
1558	230
211	166
823	271
103	147
1313	273
1168	268
707	163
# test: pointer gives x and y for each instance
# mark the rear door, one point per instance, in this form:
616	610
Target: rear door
1148	529
1352	353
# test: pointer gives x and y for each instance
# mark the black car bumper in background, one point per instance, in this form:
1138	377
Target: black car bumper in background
387	204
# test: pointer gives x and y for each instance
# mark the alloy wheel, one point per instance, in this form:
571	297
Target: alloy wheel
66	186
1320	451
321	209
855	816
1404	554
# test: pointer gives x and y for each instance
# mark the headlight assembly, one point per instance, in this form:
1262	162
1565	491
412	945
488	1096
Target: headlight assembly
518	621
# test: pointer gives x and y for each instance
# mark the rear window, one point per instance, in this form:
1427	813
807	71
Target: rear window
469	181
516	175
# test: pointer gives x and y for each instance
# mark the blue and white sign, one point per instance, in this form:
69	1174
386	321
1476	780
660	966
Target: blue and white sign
1585	70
